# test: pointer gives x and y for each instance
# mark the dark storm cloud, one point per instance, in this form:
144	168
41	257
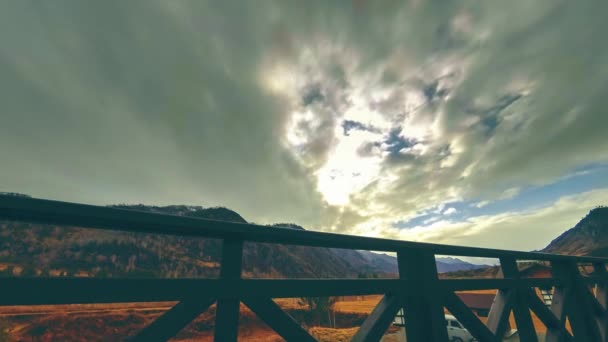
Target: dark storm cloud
490	117
242	103
349	125
143	101
312	95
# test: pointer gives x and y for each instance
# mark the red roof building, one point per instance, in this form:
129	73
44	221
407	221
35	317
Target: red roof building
480	303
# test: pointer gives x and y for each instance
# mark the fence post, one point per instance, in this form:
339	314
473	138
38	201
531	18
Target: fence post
521	310
601	294
423	306
575	298
227	315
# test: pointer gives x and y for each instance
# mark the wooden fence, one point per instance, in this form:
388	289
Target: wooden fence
418	290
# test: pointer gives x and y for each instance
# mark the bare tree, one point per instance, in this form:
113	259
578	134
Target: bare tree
319	306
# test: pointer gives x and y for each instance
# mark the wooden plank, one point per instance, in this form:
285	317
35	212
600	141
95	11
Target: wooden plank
468	319
521	311
584	315
487	284
555	326
580	313
283	324
601	295
594	279
559	303
423	307
81	215
49	291
290	288
173	321
594	305
498	318
375	325
227	320
227	316
594	311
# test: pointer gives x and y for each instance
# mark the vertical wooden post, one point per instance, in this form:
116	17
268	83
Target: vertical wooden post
423	306
602	286
601	295
521	311
561	294
227	315
573	296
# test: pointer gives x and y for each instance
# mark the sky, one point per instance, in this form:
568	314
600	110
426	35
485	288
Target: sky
478	123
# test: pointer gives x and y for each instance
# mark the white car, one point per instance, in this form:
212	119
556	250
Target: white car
456	332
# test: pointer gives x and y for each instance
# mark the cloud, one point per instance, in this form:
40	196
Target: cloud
450	211
348	124
481	204
521	230
150	102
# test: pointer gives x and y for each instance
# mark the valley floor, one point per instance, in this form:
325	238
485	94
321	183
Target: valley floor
113	322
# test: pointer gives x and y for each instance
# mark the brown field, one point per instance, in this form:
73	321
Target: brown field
364	305
8	311
116	321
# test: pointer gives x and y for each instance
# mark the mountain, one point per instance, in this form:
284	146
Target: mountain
450	261
588	237
215	213
388	263
450	264
37	249
380	260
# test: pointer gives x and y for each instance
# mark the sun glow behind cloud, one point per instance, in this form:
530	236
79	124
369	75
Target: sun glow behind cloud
345	172
368	122
363	134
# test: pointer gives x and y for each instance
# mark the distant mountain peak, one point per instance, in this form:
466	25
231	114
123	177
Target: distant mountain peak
14	194
214	213
588	237
288	225
449	260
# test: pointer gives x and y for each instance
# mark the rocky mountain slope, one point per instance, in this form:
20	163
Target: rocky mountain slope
588	237
44	250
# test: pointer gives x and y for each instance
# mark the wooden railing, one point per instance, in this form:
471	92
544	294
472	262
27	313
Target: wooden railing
418	289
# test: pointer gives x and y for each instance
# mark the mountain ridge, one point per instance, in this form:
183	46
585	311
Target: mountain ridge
53	250
588	237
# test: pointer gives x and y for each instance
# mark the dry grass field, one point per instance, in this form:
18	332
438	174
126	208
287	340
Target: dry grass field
364	305
368	302
112	321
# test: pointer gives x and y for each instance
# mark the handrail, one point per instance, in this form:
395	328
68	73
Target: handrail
418	290
91	216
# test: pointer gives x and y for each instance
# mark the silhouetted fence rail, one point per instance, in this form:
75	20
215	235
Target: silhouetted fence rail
418	290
